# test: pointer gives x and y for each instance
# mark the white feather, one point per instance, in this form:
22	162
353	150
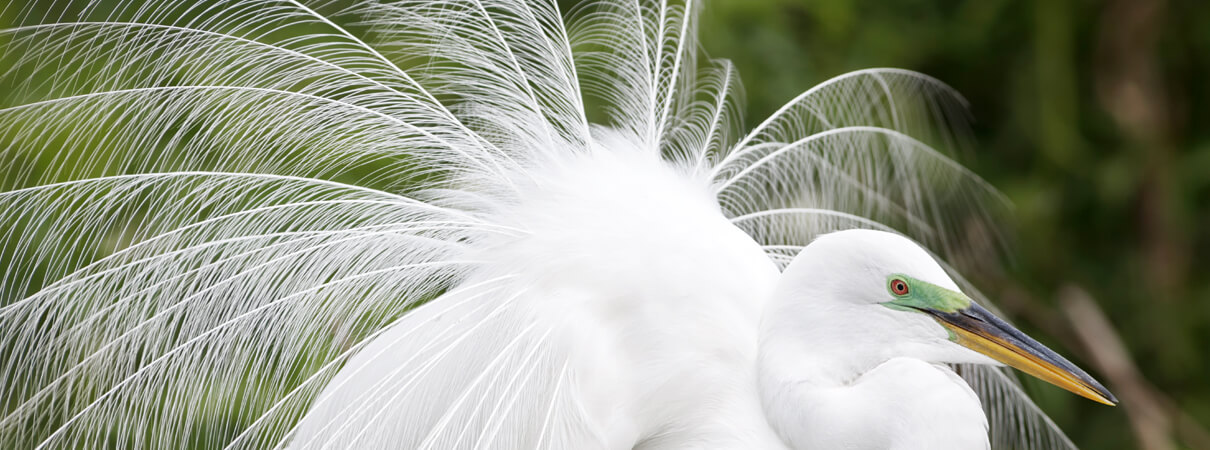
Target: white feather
255	223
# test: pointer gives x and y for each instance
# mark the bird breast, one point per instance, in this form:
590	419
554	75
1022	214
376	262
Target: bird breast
624	316
659	294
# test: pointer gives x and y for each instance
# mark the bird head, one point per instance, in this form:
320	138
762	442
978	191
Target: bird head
887	295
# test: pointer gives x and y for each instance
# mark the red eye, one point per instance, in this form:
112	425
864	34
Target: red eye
899	287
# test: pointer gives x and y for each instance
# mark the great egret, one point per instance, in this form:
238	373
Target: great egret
285	223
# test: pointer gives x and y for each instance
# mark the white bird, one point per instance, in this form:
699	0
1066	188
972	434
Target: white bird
256	223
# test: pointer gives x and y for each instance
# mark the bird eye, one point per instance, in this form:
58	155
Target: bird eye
899	287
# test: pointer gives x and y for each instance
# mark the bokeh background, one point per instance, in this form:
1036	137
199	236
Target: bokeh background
1093	117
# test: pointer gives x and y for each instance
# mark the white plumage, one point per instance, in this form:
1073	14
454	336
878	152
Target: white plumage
261	223
631	317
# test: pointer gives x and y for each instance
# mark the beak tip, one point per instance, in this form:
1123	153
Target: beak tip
1101	393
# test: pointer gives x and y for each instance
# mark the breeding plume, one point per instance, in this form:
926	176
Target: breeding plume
482	224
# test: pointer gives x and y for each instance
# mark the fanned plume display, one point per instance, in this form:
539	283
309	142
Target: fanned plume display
215	211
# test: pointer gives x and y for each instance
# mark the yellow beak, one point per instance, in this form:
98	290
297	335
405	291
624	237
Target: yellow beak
978	329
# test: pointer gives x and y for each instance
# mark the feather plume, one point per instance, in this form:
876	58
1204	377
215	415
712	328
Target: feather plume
212	209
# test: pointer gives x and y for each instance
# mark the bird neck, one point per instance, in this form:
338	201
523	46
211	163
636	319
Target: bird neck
817	342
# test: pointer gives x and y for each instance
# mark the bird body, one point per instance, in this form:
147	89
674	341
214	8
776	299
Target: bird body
392	224
600	281
663	308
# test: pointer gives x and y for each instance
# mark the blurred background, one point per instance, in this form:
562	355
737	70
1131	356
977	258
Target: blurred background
1093	117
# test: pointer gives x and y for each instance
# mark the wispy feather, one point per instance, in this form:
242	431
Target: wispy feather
215	211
